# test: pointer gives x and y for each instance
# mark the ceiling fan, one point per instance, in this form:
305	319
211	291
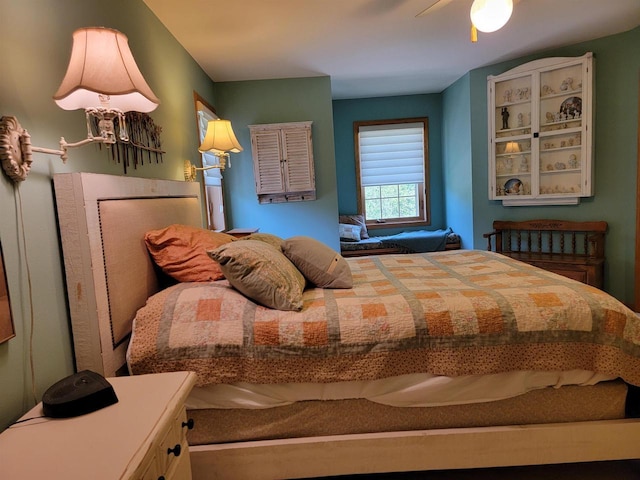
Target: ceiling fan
486	15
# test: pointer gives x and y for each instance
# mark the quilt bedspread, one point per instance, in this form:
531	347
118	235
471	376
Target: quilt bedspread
446	313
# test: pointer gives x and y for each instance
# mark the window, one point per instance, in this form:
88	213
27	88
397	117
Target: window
213	194
393	171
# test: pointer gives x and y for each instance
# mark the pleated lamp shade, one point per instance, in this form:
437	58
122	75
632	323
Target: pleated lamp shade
102	65
220	138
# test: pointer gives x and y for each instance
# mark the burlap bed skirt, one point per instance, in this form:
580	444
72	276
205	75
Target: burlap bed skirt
604	401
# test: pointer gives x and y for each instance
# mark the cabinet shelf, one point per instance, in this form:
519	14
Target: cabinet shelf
517	129
559	149
513	174
510	104
511	154
554	153
564	93
560	170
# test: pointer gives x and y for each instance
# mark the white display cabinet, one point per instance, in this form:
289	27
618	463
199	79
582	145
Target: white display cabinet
541	131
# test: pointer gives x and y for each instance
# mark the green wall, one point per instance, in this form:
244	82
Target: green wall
345	112
617	64
36	45
280	101
36	39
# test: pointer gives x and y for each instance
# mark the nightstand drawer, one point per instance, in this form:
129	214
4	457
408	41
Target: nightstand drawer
173	442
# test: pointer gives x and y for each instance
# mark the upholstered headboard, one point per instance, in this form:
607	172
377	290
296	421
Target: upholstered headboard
102	221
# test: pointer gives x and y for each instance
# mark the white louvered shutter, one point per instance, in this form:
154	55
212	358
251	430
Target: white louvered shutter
267	161
298	160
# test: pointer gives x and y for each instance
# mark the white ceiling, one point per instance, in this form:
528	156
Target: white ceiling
375	48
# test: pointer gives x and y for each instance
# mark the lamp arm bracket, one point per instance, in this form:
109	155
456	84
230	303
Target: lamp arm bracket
190	170
16	151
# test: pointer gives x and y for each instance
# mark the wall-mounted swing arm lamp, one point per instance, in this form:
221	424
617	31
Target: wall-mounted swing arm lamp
219	140
103	79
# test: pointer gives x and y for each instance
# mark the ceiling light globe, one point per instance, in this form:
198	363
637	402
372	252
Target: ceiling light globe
491	15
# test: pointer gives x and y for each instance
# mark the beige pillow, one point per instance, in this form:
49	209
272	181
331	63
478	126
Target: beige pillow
269	238
262	273
320	264
181	252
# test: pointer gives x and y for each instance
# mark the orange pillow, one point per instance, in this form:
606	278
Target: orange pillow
181	252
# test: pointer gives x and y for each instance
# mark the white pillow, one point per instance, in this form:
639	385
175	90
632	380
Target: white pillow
349	233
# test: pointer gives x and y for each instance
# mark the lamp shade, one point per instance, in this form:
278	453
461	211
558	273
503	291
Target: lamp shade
512	147
491	15
220	138
102	65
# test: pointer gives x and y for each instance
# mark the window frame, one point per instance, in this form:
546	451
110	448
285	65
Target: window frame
213	181
424	204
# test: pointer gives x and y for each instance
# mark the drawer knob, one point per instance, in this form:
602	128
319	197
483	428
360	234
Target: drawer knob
189	424
175	450
161	477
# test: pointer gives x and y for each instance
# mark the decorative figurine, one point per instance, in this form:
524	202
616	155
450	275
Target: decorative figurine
520	120
547	90
573	161
508	164
524	164
505	118
567	84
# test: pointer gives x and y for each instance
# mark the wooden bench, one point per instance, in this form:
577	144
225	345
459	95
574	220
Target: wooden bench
572	249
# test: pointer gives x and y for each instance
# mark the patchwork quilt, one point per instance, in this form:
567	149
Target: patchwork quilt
449	313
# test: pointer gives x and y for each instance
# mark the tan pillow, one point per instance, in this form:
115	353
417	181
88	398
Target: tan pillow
262	273
320	264
269	238
356	220
181	252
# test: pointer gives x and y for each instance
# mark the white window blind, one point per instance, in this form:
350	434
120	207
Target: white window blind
391	154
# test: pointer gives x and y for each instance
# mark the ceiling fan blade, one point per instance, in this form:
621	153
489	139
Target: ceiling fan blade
434	7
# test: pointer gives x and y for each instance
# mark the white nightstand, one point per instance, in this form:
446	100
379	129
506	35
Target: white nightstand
143	436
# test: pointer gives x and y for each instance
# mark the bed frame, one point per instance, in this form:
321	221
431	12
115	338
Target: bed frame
570	248
106	285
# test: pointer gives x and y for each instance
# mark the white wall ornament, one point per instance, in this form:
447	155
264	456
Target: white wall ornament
15	149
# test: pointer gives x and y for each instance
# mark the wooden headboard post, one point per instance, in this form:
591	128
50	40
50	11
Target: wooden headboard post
102	220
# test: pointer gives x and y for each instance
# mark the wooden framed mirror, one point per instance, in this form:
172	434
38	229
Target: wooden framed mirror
213	181
7	330
636	289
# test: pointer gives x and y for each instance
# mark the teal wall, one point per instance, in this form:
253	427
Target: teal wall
617	64
36	37
345	112
456	134
280	101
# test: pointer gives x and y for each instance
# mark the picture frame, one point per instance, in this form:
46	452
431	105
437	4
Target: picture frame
7	330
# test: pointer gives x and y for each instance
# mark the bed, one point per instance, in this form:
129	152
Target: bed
447	326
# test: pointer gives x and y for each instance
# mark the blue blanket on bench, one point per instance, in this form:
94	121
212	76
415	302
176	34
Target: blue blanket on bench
417	241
